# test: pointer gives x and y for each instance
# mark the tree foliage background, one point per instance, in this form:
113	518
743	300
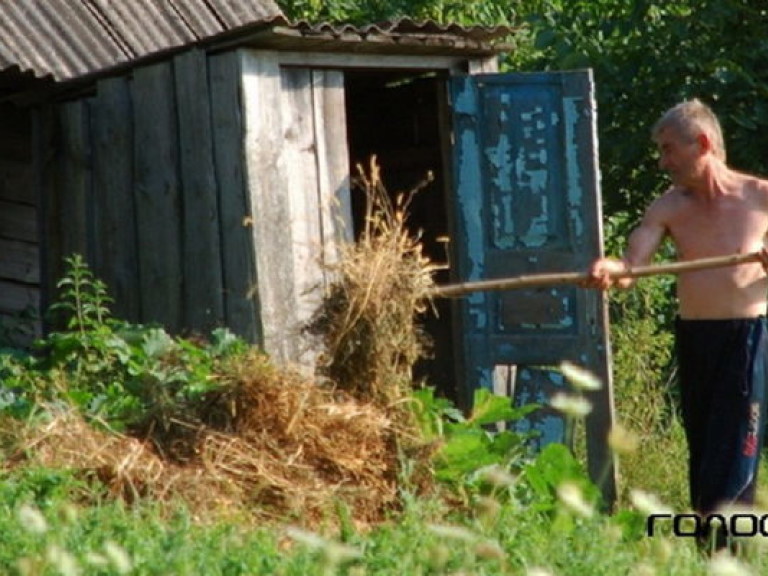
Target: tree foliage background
646	56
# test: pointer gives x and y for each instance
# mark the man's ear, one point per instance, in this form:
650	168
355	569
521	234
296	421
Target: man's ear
705	143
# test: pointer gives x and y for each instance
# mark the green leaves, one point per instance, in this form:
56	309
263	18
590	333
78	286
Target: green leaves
469	444
554	466
123	374
487	408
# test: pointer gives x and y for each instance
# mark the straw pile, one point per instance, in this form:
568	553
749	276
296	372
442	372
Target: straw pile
369	321
277	446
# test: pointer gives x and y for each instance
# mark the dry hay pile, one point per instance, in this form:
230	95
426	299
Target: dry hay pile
369	321
288	448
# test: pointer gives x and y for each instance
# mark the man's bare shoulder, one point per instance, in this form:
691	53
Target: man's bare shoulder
757	188
759	185
669	203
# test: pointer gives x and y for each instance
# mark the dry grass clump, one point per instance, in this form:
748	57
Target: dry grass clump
369	321
287	448
307	444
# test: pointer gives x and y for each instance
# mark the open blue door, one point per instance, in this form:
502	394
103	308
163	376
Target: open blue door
526	179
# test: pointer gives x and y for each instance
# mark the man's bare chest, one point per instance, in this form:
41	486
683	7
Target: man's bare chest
727	228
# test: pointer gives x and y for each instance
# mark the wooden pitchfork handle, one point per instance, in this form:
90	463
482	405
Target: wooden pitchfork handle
557	279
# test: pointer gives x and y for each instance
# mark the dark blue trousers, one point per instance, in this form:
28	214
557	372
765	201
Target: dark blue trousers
722	372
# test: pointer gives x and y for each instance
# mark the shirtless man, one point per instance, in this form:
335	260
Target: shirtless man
710	210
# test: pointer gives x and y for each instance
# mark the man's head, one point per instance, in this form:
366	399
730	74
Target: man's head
690	120
689	139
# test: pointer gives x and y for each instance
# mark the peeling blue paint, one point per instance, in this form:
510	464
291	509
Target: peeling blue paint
552	430
499	158
571	107
465	101
538	232
471	202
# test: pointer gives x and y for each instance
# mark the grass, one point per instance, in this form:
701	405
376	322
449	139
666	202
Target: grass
56	536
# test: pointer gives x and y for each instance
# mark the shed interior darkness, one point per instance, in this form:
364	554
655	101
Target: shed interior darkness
399	117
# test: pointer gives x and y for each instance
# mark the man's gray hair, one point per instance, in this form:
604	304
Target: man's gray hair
689	119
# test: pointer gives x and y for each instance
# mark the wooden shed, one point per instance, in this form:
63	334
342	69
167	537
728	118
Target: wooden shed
198	154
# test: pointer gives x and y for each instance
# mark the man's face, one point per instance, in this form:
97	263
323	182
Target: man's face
678	156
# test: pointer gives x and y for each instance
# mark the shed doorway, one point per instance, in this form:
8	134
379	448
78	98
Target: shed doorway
400	117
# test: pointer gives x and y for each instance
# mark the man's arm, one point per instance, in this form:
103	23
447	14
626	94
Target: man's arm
642	245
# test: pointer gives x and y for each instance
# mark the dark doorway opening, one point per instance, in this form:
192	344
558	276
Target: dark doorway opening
400	117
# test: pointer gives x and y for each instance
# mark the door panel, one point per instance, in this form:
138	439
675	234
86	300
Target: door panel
528	202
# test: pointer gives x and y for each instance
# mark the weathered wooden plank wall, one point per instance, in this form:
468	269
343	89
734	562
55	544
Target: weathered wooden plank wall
206	190
19	246
115	251
158	195
128	181
295	144
302	175
203	297
241	299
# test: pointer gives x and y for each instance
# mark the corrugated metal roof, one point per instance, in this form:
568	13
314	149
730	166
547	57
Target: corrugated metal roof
404	36
67	39
409	26
70	38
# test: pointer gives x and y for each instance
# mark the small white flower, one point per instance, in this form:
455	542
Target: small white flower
580	378
648	503
574	406
335	553
570	495
725	565
536	571
97	560
63	561
32	519
452	532
496	475
622	440
309	539
118	556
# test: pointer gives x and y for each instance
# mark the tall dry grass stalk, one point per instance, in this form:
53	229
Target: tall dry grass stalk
368	322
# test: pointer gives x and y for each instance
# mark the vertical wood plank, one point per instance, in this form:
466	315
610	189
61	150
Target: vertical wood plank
201	246
269	202
74	179
579	103
157	196
300	157
19	237
115	250
332	160
241	298
44	182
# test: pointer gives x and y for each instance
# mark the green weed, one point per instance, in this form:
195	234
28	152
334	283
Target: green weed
128	376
